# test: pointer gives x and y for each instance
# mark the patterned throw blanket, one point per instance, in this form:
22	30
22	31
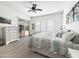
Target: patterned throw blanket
36	40
55	46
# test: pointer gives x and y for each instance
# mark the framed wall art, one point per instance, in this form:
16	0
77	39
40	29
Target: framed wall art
76	12
70	16
73	15
67	19
4	20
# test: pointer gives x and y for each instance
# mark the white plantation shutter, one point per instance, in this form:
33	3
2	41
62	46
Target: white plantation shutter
49	25
43	25
37	26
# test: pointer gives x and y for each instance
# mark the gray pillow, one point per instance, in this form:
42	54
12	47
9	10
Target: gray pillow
68	36
59	34
76	39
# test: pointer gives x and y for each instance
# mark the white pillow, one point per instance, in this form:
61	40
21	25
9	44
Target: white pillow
68	35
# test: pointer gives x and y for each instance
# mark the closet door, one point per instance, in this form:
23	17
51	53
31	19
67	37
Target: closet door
37	26
43	25
49	25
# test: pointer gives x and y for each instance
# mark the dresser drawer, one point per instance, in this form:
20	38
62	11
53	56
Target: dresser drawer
11	33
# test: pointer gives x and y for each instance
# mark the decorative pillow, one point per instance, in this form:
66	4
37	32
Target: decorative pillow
76	39
68	35
59	34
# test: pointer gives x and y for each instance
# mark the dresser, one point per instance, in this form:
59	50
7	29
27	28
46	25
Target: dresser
11	34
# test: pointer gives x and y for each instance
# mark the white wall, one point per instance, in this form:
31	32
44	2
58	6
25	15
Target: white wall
74	26
67	10
12	14
51	21
7	13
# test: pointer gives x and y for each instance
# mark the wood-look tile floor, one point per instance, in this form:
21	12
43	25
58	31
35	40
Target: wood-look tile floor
18	49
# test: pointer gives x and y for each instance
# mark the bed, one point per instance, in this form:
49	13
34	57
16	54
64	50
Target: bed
50	45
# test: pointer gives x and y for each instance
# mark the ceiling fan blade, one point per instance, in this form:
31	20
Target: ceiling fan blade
29	10
39	9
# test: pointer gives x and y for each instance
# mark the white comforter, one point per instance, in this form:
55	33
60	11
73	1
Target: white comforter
49	41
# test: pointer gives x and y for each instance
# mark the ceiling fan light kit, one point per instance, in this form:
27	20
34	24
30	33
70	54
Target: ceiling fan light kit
33	8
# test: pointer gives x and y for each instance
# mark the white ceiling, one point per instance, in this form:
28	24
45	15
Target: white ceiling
46	6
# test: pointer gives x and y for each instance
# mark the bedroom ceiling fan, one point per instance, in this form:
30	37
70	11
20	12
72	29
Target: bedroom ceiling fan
34	8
